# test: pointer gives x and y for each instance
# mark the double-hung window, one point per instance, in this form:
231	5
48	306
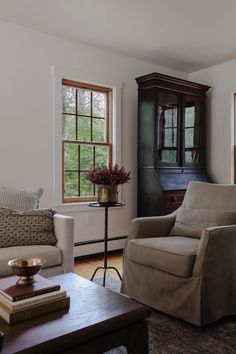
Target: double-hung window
86	137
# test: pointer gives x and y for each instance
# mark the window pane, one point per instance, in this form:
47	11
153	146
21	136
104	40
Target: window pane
99	104
84	129
84	102
101	156
70	156
170	137
99	130
68	129
68	99
71	184
86	157
86	187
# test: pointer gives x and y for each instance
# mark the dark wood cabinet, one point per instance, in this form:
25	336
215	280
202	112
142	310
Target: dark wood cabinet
171	141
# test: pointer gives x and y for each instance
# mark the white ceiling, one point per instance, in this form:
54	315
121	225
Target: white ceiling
186	35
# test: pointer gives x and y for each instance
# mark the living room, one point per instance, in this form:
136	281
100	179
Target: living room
83	41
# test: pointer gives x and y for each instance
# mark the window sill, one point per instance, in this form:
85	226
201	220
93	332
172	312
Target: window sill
72	207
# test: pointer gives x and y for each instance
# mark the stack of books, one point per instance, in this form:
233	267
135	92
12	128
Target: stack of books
18	302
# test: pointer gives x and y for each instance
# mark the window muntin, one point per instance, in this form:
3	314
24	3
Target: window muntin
86	140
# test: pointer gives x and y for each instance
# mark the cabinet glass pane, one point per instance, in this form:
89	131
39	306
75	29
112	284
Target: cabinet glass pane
191	131
170	137
169	156
170	117
189	116
189	137
167	127
192	156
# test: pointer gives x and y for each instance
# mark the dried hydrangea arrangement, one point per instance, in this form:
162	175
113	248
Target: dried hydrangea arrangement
109	175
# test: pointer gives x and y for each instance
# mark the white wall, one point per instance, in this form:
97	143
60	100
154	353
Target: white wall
220	119
26	114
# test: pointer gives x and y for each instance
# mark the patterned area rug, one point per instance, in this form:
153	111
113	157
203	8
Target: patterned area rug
168	335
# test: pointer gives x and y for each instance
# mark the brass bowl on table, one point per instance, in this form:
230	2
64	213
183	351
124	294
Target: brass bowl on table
26	268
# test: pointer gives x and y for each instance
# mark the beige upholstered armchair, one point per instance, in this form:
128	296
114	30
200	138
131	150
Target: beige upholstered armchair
184	264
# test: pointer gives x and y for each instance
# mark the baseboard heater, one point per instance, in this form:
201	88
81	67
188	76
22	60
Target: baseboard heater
89	242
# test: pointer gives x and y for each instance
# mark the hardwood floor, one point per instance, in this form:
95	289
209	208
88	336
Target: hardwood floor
86	266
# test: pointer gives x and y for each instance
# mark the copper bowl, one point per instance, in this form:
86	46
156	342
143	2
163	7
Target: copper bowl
26	268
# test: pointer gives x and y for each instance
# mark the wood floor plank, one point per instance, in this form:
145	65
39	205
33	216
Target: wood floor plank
86	266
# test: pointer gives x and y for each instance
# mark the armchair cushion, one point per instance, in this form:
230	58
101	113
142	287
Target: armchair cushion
202	195
191	222
20	199
21	228
52	255
175	255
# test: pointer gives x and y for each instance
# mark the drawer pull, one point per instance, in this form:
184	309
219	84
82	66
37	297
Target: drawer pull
174	199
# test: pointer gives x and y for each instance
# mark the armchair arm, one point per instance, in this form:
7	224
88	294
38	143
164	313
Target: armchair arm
154	226
216	252
64	231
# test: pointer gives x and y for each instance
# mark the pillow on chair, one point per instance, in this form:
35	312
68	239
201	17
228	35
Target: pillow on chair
20	199
22	228
191	222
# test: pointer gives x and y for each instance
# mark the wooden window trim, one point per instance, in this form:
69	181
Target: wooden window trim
85	86
92	88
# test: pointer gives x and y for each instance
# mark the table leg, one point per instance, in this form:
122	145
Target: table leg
105	267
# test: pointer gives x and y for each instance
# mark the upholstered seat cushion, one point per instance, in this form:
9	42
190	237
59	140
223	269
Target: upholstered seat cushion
174	254
52	254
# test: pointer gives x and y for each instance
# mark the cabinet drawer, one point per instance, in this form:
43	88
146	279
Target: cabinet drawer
173	200
172	206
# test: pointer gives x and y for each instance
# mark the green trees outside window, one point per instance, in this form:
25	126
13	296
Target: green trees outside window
85	137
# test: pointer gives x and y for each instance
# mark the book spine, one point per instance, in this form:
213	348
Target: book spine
34	293
35	311
36	300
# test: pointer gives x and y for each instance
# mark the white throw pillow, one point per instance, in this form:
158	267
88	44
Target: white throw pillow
20	199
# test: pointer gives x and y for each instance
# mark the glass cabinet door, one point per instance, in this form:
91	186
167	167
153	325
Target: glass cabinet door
191	131
167	128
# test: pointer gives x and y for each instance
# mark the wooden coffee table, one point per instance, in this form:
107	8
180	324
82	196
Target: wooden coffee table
98	320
